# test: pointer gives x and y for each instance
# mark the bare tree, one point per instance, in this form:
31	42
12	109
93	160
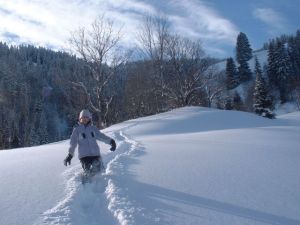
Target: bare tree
152	35
187	66
213	85
179	64
152	38
97	46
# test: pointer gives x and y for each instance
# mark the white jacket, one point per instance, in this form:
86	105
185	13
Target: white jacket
85	137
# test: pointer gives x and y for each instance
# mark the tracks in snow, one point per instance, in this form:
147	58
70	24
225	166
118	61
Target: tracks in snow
118	202
103	201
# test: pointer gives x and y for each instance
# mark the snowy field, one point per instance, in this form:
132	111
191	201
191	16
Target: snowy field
190	166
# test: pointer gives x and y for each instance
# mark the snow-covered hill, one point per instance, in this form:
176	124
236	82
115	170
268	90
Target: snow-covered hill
189	166
261	55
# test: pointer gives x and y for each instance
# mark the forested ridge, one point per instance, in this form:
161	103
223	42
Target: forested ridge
42	91
38	105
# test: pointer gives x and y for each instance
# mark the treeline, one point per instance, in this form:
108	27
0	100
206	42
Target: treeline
277	81
37	104
42	91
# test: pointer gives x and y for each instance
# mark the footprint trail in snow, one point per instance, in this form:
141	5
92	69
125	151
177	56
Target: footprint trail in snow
98	202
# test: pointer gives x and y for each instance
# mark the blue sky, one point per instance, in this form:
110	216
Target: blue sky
215	22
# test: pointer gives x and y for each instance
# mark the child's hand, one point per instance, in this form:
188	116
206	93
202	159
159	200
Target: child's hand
68	160
113	145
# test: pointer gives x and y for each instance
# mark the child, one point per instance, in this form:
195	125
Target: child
85	135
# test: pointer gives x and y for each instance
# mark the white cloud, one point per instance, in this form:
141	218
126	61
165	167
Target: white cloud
50	22
197	20
47	23
204	21
132	5
37	22
271	18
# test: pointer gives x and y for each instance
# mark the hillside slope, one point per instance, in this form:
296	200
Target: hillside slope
189	166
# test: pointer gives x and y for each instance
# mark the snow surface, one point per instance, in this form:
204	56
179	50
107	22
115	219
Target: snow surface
190	166
286	108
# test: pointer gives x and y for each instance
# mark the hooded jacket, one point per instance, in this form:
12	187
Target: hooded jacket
85	137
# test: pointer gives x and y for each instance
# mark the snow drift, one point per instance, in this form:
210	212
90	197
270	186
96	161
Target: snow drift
189	166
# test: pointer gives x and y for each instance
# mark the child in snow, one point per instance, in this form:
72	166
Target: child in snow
85	135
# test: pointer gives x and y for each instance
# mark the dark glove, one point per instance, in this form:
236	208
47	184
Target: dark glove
113	145
68	159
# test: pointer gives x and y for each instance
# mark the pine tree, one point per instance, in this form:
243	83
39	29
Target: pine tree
279	69
245	73
261	101
243	55
271	69
297	51
232	79
24	71
237	102
243	48
42	129
34	138
294	55
228	103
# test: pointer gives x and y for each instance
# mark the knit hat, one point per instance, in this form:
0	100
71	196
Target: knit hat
85	113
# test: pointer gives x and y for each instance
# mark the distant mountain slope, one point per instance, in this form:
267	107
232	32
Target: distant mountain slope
262	56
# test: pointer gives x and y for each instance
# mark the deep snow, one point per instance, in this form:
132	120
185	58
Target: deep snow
192	165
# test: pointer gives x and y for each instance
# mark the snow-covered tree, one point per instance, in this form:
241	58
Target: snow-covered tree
294	55
261	101
232	79
272	68
279	69
24	71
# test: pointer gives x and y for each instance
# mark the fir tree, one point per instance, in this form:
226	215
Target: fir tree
279	69
15	143
34	138
272	65
243	55
261	101
294	55
243	48
42	129
245	73
228	103
237	102
232	79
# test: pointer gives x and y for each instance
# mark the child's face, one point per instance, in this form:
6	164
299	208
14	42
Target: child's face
84	120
